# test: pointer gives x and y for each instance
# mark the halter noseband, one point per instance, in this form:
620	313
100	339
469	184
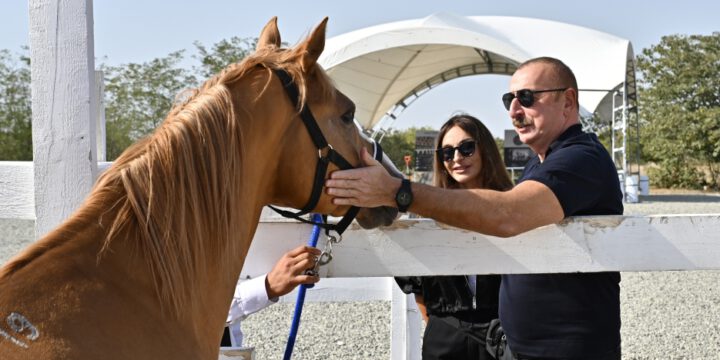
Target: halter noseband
331	156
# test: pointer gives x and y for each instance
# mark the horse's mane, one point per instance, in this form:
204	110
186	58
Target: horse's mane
175	192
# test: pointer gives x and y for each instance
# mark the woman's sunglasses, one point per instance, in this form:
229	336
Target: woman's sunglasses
526	97
466	149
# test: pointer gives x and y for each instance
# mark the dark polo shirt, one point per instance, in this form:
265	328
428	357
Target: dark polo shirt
573	315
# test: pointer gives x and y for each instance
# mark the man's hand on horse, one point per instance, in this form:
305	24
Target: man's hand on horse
289	271
369	186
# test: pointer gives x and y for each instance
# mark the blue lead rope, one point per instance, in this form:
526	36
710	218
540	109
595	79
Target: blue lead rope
316	218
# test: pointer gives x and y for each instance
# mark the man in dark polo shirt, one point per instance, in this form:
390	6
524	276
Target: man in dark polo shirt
545	316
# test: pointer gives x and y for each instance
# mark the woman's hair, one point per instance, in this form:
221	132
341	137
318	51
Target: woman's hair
493	174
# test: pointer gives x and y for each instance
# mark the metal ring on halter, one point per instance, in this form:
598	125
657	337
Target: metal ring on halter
311	272
334	239
315	271
320	156
316	266
325	258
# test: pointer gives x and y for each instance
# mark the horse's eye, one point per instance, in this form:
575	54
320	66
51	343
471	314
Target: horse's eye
348	117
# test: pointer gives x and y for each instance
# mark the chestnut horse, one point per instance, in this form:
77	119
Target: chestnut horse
146	267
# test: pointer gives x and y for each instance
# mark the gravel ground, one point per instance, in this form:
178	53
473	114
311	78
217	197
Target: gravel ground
672	314
15	235
666	315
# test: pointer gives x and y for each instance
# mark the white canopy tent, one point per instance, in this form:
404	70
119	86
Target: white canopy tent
382	65
384	68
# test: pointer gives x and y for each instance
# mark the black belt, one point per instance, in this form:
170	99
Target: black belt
612	356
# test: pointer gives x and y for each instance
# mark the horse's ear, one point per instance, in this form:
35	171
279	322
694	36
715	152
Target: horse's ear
313	46
269	36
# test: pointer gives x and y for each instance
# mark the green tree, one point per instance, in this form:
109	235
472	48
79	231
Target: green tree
139	96
15	107
222	54
399	143
500	143
680	103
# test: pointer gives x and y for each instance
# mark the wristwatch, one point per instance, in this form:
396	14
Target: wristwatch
404	196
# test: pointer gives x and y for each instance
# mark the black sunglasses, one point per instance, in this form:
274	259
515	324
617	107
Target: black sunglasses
526	97
466	149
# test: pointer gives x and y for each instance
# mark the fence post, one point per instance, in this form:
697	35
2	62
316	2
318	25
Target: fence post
63	106
405	326
99	117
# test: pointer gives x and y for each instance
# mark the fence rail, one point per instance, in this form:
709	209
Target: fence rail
581	244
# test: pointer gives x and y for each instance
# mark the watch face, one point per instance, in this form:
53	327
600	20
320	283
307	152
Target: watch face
404	198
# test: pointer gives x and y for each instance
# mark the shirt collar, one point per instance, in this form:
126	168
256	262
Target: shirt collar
570	132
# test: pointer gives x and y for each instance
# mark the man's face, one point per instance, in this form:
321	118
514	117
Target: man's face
541	123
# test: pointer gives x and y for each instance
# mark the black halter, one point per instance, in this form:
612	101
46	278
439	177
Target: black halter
331	156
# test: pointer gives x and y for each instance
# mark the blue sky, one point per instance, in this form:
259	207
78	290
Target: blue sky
139	31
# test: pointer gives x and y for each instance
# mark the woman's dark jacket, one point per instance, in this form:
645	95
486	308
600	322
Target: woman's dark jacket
451	295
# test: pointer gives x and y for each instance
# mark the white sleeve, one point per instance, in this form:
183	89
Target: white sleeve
250	297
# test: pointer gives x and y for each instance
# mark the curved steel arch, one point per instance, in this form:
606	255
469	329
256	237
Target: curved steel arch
484	68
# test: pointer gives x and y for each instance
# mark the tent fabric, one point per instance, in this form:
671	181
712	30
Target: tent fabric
380	66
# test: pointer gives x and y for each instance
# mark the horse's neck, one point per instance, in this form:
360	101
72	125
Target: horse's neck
62	283
125	272
264	127
119	280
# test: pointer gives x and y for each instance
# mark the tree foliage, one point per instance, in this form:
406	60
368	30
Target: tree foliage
680	104
139	96
400	143
15	107
222	54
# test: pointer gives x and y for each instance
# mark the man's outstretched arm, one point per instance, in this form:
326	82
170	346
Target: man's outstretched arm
500	213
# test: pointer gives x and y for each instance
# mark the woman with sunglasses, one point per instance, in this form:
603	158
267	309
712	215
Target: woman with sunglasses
458	309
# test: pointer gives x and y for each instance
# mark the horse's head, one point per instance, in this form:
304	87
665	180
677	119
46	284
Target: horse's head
333	112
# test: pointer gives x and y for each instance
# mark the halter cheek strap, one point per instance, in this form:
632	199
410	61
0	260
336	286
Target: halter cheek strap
331	156
353	210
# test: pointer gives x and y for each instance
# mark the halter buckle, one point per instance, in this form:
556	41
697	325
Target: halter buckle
329	148
334	239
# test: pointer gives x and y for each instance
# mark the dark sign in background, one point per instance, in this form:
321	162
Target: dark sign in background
424	150
516	153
